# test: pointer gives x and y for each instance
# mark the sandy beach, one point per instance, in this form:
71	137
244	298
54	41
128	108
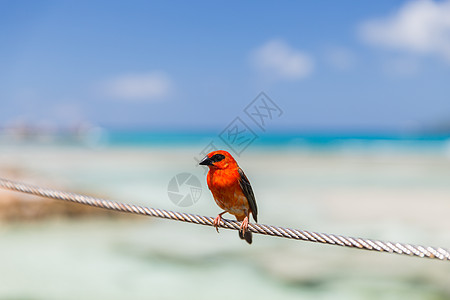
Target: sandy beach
385	194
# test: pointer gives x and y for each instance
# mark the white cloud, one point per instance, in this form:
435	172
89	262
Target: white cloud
419	27
277	60
341	58
138	87
401	67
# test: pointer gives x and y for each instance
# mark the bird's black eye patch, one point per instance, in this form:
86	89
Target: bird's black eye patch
217	157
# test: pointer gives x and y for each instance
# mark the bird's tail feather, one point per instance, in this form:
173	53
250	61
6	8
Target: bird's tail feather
247	236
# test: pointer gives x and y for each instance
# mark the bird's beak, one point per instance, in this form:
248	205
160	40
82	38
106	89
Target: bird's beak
206	161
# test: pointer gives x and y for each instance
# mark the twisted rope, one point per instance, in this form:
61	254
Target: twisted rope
296	234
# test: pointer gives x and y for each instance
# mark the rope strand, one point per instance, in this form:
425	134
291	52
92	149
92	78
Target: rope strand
296	234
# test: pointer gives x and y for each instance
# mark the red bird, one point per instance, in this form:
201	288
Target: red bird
231	190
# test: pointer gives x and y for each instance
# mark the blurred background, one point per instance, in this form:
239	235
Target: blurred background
113	99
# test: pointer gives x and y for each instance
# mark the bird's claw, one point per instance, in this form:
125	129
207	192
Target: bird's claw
217	221
244	225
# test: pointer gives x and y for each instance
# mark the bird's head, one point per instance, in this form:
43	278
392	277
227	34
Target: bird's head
219	160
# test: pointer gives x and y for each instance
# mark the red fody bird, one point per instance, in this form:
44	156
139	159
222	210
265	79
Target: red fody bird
231	190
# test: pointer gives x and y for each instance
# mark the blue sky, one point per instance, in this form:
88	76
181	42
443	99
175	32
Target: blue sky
177	65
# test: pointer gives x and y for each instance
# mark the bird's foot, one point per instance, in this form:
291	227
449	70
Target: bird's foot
244	225
217	221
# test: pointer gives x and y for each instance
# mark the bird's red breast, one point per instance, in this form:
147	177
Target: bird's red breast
224	185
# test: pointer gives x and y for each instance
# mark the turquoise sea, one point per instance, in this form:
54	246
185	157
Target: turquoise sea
388	187
136	137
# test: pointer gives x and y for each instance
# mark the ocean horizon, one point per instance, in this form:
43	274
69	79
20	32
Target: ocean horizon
97	136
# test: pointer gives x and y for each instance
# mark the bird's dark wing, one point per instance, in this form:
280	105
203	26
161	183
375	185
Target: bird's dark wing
248	193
